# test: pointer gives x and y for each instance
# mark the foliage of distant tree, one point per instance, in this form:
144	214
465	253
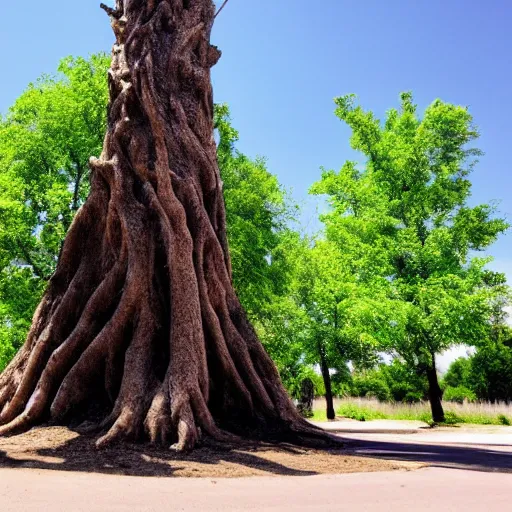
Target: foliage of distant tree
395	381
487	374
404	217
46	139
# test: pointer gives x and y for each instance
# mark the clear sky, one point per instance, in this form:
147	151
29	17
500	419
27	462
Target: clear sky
285	60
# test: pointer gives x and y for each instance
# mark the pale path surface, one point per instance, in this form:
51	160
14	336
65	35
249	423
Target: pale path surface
471	472
430	489
472	448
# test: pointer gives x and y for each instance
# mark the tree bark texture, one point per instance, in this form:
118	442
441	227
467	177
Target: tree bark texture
328	386
140	329
435	393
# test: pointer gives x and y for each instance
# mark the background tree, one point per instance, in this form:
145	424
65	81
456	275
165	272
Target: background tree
395	381
140	316
407	208
323	320
46	140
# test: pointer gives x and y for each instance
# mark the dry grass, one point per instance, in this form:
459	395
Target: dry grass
482	413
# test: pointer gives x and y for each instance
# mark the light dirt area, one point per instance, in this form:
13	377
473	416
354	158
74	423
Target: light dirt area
62	449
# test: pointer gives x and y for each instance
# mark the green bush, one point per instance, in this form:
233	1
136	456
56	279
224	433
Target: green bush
359	413
459	394
371	385
503	420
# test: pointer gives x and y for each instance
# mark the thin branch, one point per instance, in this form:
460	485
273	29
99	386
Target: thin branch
221	7
111	12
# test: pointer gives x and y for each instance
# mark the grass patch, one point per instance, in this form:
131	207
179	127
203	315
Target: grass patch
361	409
360	413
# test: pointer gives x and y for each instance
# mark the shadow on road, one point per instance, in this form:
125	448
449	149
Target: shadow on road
475	458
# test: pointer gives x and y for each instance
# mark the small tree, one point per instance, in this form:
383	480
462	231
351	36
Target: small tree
405	218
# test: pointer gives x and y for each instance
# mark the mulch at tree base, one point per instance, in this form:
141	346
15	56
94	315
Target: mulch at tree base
59	448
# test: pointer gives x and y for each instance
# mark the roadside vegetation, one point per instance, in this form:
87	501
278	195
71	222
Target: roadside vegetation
368	409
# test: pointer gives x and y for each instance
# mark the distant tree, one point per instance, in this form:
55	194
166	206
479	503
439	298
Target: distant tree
404	382
491	372
404	215
46	140
458	373
325	319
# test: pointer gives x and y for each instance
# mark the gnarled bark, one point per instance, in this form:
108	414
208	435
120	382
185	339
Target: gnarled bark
140	329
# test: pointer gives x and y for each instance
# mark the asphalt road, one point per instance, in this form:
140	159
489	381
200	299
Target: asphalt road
472	451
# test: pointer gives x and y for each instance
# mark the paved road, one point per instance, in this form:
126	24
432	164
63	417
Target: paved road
431	489
470	471
465	449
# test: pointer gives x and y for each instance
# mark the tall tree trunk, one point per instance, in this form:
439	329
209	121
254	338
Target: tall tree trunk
435	393
324	366
140	316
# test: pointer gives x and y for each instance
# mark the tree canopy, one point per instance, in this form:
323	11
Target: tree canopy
403	217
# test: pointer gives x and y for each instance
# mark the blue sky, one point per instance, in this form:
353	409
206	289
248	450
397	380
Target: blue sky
285	60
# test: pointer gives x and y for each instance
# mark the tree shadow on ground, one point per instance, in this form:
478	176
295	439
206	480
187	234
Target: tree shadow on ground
51	449
455	456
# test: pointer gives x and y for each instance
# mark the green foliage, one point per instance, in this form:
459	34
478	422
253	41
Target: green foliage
46	140
359	413
395	382
371	385
458	373
491	372
405	383
406	229
504	420
459	394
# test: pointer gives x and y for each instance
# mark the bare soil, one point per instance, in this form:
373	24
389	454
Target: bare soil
62	449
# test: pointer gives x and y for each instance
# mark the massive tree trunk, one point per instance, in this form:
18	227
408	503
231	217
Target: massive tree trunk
140	328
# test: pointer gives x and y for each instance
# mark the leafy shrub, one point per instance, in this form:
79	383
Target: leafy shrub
359	413
371	386
504	420
413	397
459	394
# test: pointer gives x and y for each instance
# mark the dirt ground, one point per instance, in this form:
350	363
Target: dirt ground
62	449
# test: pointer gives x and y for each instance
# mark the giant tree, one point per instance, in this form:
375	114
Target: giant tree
140	319
405	217
46	139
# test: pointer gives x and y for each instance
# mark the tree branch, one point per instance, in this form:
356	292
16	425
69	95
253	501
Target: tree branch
220	9
111	12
